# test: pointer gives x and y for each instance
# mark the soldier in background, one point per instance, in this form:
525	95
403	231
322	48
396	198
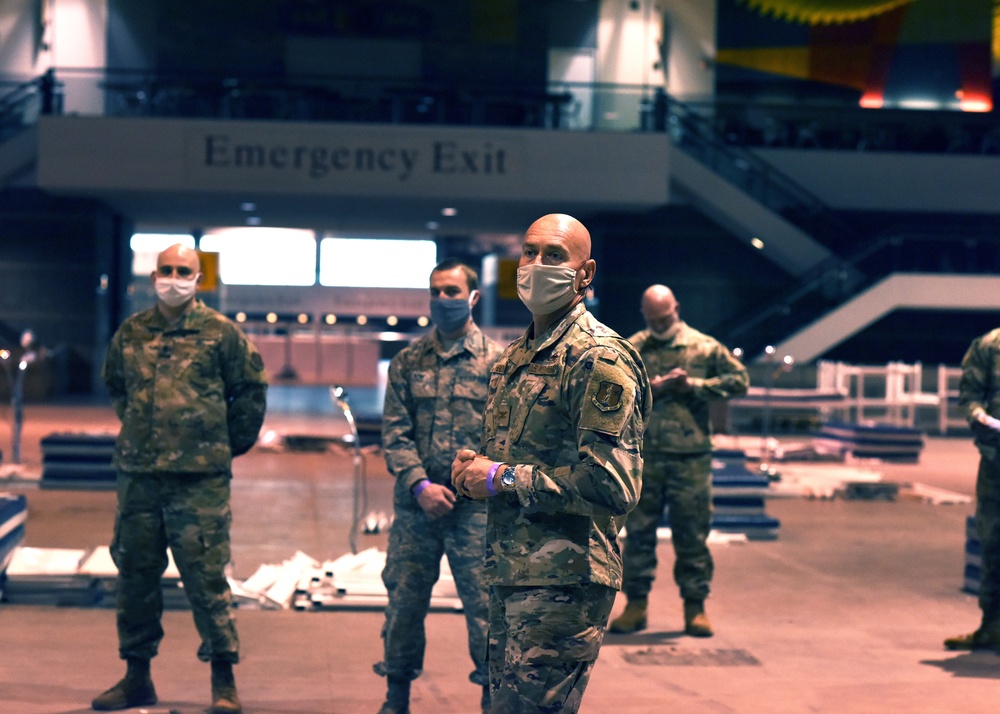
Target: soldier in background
190	391
560	469
687	370
434	403
979	399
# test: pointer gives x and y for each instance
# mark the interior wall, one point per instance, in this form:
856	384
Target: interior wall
461	42
56	256
714	277
21	37
688	48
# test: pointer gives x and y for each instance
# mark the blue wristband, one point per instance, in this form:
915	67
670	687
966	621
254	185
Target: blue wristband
419	488
489	479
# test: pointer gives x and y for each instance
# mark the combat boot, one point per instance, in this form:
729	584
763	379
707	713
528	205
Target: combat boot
982	639
696	622
397	697
134	690
632	619
224	697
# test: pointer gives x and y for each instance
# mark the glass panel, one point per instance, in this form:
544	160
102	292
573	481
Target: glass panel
376	262
263	256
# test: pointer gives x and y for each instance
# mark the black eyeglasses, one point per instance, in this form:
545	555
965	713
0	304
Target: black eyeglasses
182	271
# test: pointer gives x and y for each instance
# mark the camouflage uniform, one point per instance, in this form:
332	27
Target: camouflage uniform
979	391
678	460
433	407
568	411
190	397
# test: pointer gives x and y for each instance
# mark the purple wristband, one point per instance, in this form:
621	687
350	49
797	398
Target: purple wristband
419	488
489	479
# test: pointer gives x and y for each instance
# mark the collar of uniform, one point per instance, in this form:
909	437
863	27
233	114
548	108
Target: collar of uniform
159	323
557	330
467	342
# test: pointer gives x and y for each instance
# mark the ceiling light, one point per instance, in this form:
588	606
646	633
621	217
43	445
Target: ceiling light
449	211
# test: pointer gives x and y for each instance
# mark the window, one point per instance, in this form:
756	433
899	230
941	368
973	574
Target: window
376	262
263	256
147	246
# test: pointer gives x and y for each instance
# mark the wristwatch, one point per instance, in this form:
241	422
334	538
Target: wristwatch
507	479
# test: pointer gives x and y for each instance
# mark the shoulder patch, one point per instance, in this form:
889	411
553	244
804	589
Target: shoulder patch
257	362
609	400
608	397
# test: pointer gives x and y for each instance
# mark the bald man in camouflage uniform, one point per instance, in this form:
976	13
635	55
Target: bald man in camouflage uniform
560	468
979	399
434	403
190	391
688	370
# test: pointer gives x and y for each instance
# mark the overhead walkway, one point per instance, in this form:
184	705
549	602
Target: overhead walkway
751	198
895	292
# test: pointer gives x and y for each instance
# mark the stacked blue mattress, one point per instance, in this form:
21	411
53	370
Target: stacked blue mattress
738	494
13	515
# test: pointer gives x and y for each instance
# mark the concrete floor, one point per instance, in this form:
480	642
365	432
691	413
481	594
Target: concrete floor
844	612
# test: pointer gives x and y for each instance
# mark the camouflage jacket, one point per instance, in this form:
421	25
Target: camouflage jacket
434	403
680	422
979	390
190	396
568	411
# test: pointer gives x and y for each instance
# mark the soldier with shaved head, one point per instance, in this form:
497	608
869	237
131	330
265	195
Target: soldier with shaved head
560	468
190	391
688	370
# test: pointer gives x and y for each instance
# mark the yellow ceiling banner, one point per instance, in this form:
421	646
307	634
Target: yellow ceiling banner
789	61
824	12
996	31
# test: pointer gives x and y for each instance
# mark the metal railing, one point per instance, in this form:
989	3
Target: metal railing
23	101
897	252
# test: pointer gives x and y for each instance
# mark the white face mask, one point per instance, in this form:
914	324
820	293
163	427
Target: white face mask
175	291
544	289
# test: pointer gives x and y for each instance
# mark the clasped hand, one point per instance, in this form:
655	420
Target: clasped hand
469	471
675	381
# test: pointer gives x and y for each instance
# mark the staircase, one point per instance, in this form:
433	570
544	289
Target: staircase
800	234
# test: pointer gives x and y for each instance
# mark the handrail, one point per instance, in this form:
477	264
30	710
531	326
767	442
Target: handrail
25	100
885	254
695	134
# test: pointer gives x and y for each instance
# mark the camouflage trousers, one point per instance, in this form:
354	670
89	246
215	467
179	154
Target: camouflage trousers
682	483
412	567
544	642
988	530
188	513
